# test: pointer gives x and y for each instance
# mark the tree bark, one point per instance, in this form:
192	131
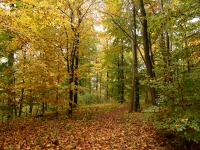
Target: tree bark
137	95
23	82
10	85
133	47
76	69
71	97
122	73
20	101
146	50
100	86
118	79
107	91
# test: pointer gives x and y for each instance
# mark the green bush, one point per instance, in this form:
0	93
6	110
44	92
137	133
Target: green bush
179	108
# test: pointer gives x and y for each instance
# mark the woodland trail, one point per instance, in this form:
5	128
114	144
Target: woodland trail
89	130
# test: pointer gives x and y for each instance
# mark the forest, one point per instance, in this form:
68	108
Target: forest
100	74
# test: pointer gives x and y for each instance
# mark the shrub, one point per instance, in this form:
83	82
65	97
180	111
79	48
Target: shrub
179	110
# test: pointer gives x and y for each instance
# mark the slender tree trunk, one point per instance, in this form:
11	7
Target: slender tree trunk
90	82
133	46
43	108
150	49
31	107
14	98
23	81
100	86
10	85
72	75
137	96
165	42
57	90
107	90
31	103
97	83
187	53
71	97
122	73
76	85
71	82
146	50
21	100
76	69
57	98
118	79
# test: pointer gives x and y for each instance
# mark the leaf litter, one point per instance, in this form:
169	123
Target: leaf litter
94	129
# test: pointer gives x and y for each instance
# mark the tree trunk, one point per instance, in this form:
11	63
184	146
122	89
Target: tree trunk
90	84
137	96
21	100
107	91
31	107
165	43
133	47
57	91
10	85
97	82
76	69
118	80
71	82
71	96
76	85
57	99
23	81
100	87
122	73
43	108
146	50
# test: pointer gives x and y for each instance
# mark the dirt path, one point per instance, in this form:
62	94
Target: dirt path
111	130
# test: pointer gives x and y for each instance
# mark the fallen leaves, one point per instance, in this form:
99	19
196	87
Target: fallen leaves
111	129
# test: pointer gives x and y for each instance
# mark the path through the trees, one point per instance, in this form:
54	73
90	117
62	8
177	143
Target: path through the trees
94	128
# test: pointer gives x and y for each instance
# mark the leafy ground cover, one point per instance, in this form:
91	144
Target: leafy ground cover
90	128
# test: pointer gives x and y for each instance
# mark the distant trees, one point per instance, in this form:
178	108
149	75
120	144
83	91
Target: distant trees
126	24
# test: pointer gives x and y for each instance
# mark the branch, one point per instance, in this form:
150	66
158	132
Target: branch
126	33
80	20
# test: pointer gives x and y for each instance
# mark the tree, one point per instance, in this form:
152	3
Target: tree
148	61
76	15
51	43
176	88
132	27
130	40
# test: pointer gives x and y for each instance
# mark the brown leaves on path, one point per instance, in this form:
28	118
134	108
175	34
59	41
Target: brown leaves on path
109	130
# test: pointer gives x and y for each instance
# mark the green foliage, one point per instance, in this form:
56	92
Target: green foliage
87	98
179	109
177	69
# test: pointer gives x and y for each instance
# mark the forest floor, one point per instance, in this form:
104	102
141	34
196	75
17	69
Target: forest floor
100	127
